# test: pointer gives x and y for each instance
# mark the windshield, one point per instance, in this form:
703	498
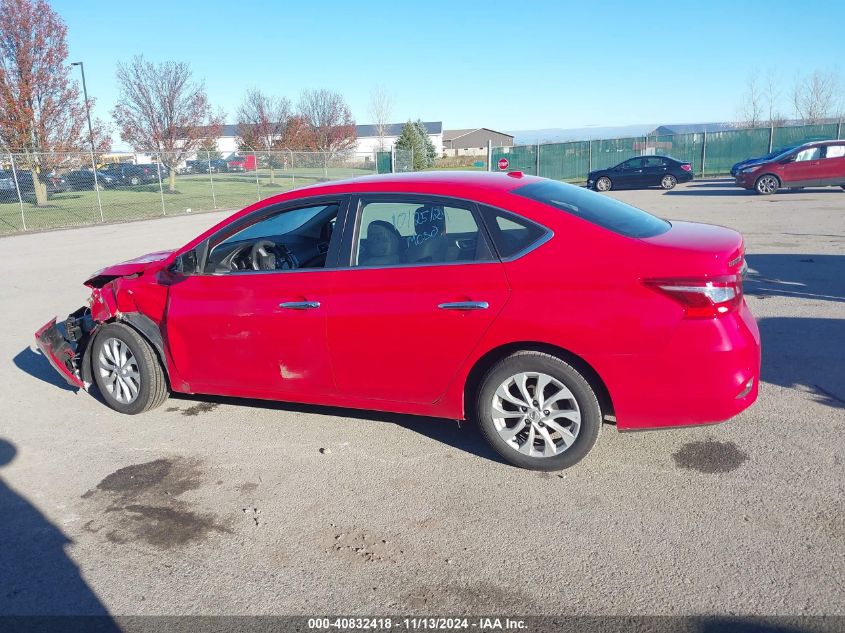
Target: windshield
594	207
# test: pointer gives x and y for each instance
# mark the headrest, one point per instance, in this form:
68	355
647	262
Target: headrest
428	218
382	239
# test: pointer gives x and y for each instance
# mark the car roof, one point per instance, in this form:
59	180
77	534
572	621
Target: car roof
488	181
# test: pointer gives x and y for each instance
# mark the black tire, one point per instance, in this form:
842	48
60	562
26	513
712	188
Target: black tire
668	182
152	389
767	184
604	184
580	388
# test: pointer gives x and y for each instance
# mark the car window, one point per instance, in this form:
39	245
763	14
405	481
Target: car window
634	163
511	234
835	151
653	161
593	207
418	232
286	240
811	153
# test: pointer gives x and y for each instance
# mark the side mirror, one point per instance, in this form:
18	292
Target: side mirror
187	263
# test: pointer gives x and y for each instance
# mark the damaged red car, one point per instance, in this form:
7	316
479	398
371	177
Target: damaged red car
539	309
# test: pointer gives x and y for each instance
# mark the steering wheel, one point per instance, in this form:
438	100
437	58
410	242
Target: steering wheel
262	256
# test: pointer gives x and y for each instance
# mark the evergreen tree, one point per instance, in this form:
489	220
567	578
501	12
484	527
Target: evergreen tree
430	151
411	140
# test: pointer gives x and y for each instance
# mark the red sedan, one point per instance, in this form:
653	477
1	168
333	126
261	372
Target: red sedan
537	308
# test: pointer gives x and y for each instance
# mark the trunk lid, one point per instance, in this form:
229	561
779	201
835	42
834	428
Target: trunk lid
693	249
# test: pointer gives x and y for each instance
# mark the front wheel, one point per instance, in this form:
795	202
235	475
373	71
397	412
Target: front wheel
668	181
127	370
604	184
538	412
767	184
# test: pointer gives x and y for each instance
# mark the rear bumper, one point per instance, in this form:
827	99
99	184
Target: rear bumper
709	372
65	345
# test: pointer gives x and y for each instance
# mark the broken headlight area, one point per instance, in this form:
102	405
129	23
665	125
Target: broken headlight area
66	344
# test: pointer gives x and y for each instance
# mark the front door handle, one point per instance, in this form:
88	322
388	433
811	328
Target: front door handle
464	305
300	305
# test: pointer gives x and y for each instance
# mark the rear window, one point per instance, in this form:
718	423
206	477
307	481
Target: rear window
594	207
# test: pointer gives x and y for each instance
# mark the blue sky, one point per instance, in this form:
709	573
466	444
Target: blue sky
504	65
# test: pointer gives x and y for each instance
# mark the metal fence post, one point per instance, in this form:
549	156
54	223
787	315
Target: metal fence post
292	171
257	182
489	155
537	167
589	156
160	186
703	152
96	182
771	137
211	179
839	129
17	188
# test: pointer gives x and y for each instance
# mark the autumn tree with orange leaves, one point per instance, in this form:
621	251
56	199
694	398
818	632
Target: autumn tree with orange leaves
42	115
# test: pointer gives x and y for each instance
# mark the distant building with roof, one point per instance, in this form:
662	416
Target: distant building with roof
473	141
692	128
369	140
367	137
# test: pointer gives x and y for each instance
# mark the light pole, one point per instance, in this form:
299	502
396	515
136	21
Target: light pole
90	137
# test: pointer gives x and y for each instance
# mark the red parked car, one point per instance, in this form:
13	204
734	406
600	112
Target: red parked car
241	163
817	164
539	309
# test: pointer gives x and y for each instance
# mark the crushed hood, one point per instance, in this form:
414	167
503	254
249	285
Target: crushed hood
130	267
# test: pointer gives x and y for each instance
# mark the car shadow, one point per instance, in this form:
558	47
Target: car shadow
804	354
464	438
714	190
807	276
36	575
33	362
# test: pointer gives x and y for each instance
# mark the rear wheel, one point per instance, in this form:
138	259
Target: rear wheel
127	370
538	412
604	184
135	180
767	184
668	181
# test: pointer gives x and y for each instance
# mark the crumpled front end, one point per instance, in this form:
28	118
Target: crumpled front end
66	345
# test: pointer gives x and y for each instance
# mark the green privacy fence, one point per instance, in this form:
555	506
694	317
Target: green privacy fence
710	154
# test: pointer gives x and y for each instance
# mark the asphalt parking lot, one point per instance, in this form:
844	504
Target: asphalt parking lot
223	506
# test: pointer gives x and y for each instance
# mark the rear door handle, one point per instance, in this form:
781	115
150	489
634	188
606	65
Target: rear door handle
300	305
464	305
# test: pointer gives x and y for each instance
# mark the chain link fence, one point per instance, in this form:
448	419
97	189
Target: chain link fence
710	154
41	191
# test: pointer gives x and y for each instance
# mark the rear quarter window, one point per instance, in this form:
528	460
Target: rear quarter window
596	208
511	234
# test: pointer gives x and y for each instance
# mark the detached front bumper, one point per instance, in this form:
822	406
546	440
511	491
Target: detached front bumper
65	345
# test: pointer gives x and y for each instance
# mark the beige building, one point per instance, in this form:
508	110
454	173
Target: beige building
473	141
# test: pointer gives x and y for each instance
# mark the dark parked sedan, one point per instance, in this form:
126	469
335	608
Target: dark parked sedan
83	179
643	171
129	174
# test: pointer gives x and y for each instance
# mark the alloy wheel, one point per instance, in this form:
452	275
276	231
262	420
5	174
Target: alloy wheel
536	414
603	184
119	371
767	184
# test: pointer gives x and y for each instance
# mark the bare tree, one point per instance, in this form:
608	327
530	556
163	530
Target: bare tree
262	123
381	109
751	109
772	94
41	112
817	97
328	118
160	107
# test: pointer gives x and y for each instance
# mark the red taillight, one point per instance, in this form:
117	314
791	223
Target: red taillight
686	167
702	298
